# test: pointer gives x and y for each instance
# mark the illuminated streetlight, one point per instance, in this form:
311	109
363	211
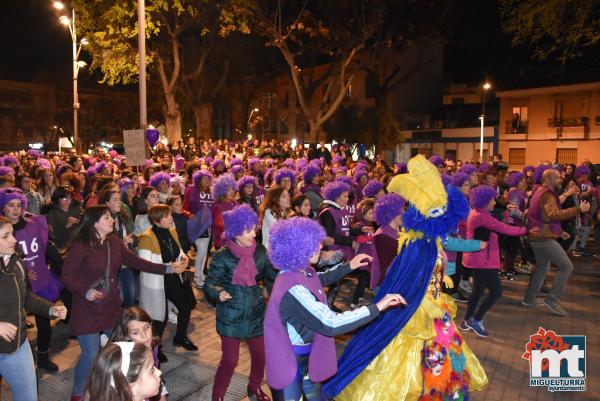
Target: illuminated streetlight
58	5
486	86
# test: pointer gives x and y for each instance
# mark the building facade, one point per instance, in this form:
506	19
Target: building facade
550	124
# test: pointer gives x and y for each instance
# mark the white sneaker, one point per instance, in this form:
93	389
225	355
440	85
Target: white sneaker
172	317
465	286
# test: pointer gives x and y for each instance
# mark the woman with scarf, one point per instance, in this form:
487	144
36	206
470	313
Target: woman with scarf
233	284
223	192
160	244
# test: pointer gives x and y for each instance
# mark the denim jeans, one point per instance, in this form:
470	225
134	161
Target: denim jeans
18	371
90	346
128	287
301	388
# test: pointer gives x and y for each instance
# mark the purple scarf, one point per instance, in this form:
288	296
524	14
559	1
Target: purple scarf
245	271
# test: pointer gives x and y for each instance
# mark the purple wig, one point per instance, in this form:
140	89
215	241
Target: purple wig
221	185
387	208
345	179
437	161
61	170
582	170
5	170
310	173
527	169
198	174
149	163
269	161
484	167
246	180
459	179
179	163
290	163
467	169
237	169
239	219
359	173
269	175
44	163
334	190
337	159
318	162
216	163
157	178
372	188
446	179
480	196
339	169
514	178
125	183
301	164
253	161
117	162
101	166
10	194
538	172
90	172
293	242
402	168
8	160
285	173
235	162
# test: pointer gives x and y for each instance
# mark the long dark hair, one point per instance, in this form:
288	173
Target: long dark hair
144	195
106	382
271	201
132	314
86	233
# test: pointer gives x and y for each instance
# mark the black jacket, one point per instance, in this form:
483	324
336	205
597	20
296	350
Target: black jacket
16	299
241	316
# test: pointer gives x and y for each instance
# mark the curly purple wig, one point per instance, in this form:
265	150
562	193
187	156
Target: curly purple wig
285	173
8	160
198	174
179	163
527	169
301	164
235	162
44	163
538	172
484	167
125	183
10	194
582	170
290	163
216	163
467	169
337	159
388	207
372	189
310	173
359	173
157	178
269	175
101	166
239	219
345	179
339	169
90	172
334	190
5	170
317	162
459	179
437	161
480	196
237	169
221	185
446	179
253	161
246	180
293	242
401	168
514	178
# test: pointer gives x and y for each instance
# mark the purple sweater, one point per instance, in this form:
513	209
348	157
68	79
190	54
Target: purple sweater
489	258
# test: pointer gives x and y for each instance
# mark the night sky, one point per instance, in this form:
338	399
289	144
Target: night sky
36	47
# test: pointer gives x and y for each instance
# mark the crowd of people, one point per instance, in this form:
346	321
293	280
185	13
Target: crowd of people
117	250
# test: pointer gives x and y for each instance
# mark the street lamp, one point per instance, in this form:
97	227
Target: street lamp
77	64
254	110
486	86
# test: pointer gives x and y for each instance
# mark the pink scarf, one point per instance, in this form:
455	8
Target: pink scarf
245	271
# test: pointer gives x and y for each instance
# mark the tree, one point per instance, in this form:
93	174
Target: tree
553	27
111	27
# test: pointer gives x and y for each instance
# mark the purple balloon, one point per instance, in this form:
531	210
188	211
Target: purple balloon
152	135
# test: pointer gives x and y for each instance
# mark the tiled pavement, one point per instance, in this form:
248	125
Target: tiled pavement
509	325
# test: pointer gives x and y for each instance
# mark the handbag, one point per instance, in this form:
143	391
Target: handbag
103	283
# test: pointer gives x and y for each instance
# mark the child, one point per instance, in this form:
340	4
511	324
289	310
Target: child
123	371
364	220
134	324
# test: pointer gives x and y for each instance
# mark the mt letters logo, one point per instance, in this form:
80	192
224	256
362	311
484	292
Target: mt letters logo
556	362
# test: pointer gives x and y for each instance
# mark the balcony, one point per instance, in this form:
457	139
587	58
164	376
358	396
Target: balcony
567	122
515	127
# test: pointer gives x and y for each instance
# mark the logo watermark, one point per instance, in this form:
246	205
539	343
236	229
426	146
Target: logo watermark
556	362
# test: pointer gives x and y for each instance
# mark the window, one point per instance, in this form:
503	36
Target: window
516	156
519	120
565	156
458	100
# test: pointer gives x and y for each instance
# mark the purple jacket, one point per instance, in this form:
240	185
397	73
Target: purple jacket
489	258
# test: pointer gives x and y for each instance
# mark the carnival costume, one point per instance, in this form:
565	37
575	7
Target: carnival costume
415	352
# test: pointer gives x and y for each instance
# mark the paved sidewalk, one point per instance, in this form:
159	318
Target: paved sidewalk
190	375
